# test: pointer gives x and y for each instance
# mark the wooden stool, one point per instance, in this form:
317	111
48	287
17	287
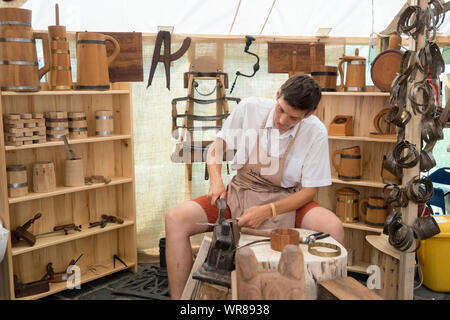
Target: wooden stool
388	259
345	288
316	268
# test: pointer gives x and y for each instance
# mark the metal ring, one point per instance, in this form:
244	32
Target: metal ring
16	23
316	252
57	128
61	68
103	117
17	185
61	51
354	89
58	38
19	63
104	87
17	40
104	133
91	41
20	88
78	129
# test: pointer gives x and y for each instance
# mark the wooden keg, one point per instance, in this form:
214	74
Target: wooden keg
73	173
19	69
347	201
326	76
92	60
104	123
44	179
78	127
60	76
57	125
349	167
17	181
374	210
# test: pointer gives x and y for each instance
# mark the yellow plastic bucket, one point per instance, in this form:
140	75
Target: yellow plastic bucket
434	257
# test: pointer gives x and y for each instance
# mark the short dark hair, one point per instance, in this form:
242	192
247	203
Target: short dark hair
301	92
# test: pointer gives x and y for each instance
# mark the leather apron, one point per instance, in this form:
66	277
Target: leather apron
249	187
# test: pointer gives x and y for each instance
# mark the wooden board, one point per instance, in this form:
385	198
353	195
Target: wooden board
284	57
345	288
128	66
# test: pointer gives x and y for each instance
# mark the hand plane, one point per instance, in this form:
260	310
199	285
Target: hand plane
220	259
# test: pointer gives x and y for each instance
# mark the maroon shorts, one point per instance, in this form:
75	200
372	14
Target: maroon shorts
212	213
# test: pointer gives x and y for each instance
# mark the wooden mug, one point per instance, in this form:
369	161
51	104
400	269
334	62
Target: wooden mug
92	60
349	167
347	201
19	70
355	77
374	210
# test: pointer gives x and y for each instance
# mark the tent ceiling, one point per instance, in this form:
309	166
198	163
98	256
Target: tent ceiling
347	18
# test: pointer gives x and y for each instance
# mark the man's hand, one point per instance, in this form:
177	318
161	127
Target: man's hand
254	216
216	190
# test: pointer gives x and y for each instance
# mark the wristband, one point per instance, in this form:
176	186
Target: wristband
274	211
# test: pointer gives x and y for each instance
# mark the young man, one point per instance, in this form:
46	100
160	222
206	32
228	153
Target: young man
281	159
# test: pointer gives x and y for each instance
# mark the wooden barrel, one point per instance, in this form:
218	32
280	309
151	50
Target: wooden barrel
73	173
44	179
17	181
57	125
92	60
347	201
326	76
78	128
18	58
375	211
104	123
60	75
349	167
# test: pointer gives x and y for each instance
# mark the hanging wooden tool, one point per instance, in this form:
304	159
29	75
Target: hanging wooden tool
167	57
248	42
60	75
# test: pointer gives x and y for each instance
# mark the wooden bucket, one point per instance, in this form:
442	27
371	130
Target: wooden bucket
92	60
44	179
57	125
18	58
388	177
73	173
349	167
326	77
374	210
60	75
104	123
78	127
347	201
17	181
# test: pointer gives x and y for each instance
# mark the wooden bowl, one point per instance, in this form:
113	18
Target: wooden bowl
279	238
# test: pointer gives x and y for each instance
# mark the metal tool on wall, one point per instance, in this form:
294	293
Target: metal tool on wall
167	57
248	42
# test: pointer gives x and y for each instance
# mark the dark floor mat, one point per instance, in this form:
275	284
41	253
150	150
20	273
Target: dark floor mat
150	283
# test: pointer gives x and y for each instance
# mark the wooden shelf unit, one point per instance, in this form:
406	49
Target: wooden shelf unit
363	107
108	156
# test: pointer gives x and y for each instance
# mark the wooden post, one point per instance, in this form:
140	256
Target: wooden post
409	214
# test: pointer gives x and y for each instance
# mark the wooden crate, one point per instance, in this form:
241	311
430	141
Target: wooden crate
110	156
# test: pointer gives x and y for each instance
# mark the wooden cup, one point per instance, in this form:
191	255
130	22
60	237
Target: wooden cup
104	123
374	210
349	167
347	204
17	181
73	173
44	179
279	238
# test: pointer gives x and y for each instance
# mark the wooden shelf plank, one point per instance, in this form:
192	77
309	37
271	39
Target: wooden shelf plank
364	139
63	93
85	277
55	239
361	226
357	94
65	190
94	139
362	183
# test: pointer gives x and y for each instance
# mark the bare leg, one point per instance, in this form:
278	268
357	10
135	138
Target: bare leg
321	219
181	223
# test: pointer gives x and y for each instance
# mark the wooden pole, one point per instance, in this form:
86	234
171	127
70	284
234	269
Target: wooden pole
409	214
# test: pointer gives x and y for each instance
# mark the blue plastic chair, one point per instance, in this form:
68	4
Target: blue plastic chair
441	176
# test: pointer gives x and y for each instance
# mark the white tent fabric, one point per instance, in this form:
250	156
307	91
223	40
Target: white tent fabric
347	18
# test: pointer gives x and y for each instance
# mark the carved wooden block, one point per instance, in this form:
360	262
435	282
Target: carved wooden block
286	283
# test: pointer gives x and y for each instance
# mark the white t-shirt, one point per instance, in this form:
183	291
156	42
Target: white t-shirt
307	164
